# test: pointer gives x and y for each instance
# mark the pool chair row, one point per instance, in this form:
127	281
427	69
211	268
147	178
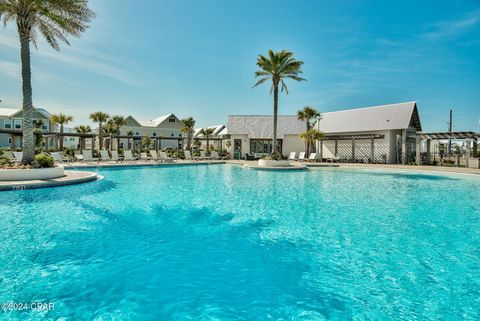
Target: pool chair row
213	156
301	157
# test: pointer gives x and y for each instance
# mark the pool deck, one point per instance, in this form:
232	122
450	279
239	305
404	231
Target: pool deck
422	168
70	178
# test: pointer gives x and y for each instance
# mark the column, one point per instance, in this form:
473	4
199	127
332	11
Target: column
320	149
404	146
429	160
418	157
475	148
468	143
372	150
336	148
353	150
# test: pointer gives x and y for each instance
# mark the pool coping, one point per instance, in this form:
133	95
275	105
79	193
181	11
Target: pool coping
68	166
70	178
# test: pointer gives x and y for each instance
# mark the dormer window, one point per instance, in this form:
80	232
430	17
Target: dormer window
171	119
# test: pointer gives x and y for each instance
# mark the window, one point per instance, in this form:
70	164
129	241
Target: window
154	134
8	124
17	123
172	134
171	120
44	127
264	146
179	135
9	140
137	134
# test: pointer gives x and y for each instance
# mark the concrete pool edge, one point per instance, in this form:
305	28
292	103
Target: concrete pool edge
70	178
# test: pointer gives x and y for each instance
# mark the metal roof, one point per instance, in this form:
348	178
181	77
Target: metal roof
154	122
377	118
10	112
217	129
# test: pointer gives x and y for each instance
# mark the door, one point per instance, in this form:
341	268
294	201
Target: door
237	148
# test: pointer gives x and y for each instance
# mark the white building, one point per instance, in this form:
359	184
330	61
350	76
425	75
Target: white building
384	133
219	131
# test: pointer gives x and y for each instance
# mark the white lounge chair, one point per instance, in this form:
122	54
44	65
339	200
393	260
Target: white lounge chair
216	156
127	156
312	157
104	155
18	156
165	158
79	157
88	156
188	155
301	157
204	156
115	156
144	157
333	159
154	155
292	156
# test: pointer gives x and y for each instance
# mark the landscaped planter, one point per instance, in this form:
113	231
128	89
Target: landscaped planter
31	174
274	163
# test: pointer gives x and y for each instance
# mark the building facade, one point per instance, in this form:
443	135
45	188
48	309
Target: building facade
13	119
380	134
164	126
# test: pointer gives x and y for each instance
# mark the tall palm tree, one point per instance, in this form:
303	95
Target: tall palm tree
82	129
309	115
188	125
100	118
277	67
130	134
109	130
61	119
117	122
55	20
207	132
310	137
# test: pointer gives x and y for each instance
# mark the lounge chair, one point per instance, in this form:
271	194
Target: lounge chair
215	156
144	157
115	156
301	157
104	155
292	156
79	157
127	156
203	156
57	157
312	157
18	156
154	155
165	158
188	155
333	159
88	156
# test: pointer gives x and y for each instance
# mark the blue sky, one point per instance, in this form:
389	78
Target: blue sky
197	58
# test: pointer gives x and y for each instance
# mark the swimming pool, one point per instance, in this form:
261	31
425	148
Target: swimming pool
221	242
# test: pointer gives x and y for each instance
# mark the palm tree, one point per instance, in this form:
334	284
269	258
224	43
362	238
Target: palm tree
109	130
310	137
130	134
62	120
117	122
309	115
82	129
188	125
278	67
55	20
100	118
206	132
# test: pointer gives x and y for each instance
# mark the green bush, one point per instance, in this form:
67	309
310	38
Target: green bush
44	160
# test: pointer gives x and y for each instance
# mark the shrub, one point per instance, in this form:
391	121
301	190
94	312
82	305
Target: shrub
44	160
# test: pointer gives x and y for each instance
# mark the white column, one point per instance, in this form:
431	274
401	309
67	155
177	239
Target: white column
404	146
418	157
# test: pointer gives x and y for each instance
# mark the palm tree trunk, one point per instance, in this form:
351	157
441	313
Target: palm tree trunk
28	143
189	142
100	136
207	144
61	137
275	115
118	141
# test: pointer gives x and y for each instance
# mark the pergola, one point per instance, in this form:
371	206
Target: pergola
157	140
351	138
469	137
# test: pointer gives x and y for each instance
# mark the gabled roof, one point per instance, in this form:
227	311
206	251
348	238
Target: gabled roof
384	117
154	122
10	112
377	118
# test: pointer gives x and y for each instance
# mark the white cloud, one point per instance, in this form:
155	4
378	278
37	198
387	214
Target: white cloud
452	28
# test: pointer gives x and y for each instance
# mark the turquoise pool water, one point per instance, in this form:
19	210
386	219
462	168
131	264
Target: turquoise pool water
226	243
